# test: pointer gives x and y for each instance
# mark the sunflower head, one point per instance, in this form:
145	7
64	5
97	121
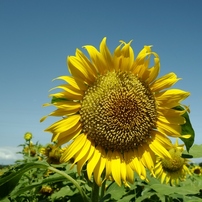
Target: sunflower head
173	169
175	163
115	112
197	170
53	153
28	136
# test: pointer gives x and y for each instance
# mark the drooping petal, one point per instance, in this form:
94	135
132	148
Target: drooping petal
100	168
82	152
171	130
158	149
88	155
92	162
116	167
75	146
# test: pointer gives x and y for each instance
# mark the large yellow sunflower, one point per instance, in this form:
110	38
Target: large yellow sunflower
116	112
174	169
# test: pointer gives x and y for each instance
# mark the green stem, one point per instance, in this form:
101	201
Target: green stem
95	192
168	199
103	189
85	198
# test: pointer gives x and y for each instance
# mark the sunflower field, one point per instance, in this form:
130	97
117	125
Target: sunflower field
123	134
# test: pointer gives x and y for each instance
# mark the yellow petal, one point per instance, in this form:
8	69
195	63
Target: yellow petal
74	147
163	139
81	153
172	120
171	96
66	133
147	157
62	140
134	162
158	149
163	82
74	82
97	58
153	71
64	124
99	168
92	162
106	54
123	170
108	165
85	158
116	167
171	130
78	70
68	88
87	63
130	174
68	95
63	112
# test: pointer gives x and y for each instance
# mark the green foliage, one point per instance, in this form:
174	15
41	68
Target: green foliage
187	129
196	151
34	180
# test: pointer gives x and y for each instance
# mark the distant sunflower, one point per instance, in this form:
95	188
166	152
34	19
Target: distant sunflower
197	170
116	113
172	170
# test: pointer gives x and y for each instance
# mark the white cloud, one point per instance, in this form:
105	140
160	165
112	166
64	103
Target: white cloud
8	155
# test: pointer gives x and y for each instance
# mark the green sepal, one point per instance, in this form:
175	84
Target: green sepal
55	99
187	129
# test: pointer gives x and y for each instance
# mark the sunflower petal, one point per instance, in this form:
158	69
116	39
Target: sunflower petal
75	146
92	162
158	149
74	82
116	167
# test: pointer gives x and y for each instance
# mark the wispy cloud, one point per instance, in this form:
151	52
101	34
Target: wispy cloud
8	155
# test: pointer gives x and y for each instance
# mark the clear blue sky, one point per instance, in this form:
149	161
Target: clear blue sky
36	37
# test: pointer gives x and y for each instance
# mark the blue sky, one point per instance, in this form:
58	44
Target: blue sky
37	36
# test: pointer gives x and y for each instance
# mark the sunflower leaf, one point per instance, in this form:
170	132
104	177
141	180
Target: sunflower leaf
187	156
55	99
10	180
187	130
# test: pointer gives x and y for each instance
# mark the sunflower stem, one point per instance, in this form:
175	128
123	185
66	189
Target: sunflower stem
83	195
95	192
103	189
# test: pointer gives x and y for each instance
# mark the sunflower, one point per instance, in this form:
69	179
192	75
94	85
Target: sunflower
52	153
172	170
197	170
115	113
28	136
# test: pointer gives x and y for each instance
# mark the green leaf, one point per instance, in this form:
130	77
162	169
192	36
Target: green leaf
187	156
9	182
127	198
115	191
52	179
187	129
64	191
163	189
195	151
55	99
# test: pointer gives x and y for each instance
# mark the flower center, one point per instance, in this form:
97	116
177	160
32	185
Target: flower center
174	164
118	112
